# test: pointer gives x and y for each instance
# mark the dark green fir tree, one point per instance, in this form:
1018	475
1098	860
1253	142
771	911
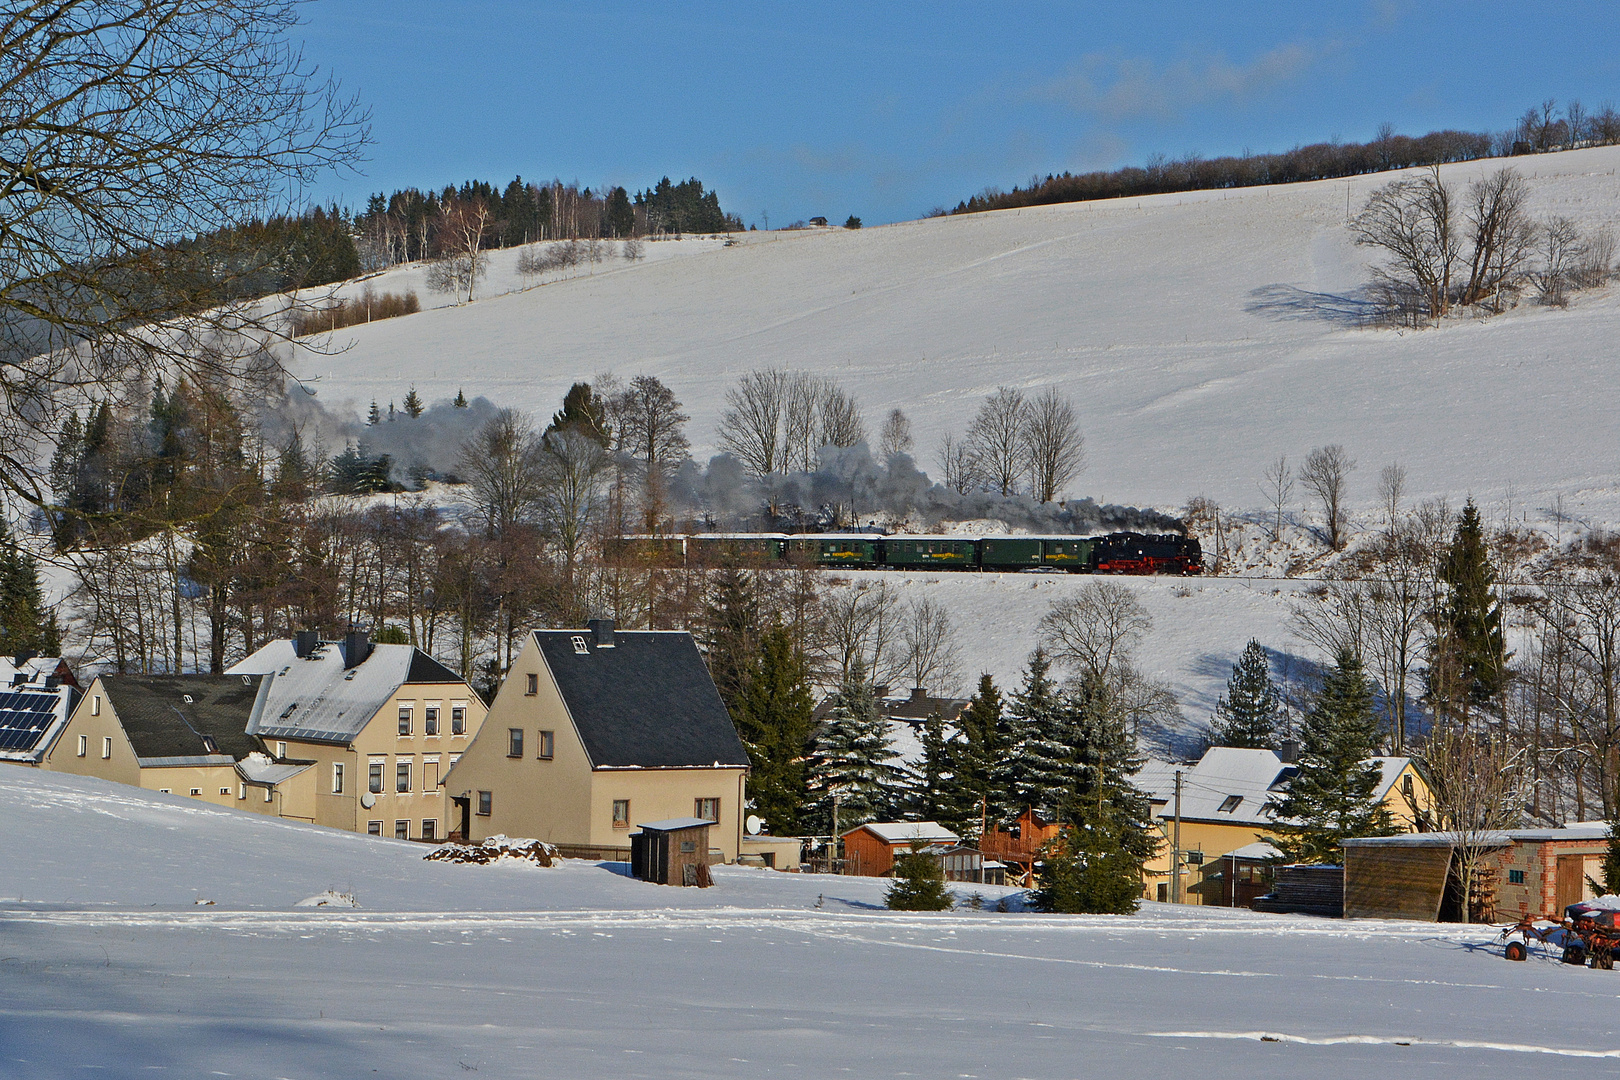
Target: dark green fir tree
1334	795
582	411
1247	715
1469	667
853	759
26	623
976	762
461	399
774	718
1042	754
919	882
413	403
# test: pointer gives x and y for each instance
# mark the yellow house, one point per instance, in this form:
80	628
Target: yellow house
1226	801
595	731
377	726
179	734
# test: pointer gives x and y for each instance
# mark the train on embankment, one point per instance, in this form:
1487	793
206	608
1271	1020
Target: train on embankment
1112	553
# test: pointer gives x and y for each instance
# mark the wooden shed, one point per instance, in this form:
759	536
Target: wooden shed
870	849
1531	872
672	852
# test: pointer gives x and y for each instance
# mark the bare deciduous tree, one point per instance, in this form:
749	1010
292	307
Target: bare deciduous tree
126	127
1413	221
574	475
956	465
1477	788
895	439
1391	489
463	228
648	424
1500	232
502	464
1278	489
751	426
862	623
841	423
1054	448
1324	474
996	440
931	657
1095	630
1561	252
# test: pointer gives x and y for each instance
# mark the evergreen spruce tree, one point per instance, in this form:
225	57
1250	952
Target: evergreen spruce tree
1334	795
1042	747
413	403
26	624
852	757
1095	865
774	718
1247	715
583	411
1473	659
461	399
919	882
730	634
374	416
931	791
976	762
1609	885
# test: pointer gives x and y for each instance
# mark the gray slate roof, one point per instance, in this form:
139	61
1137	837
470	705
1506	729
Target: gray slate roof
646	702
166	728
319	699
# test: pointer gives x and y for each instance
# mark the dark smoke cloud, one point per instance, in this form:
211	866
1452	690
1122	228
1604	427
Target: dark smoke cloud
425	446
851	487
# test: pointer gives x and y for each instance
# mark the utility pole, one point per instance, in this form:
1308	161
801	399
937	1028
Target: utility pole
1175	848
832	844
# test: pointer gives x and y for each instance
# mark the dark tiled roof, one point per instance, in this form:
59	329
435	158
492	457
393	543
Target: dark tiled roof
648	701
425	669
161	723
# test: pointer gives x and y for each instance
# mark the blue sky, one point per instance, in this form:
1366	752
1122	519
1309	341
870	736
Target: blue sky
886	110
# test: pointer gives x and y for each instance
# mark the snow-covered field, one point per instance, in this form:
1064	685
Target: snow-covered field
1201	335
115	965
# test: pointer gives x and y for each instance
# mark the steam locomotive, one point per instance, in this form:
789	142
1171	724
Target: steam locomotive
1113	553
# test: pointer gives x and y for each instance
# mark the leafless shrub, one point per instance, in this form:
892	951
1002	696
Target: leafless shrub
1278	488
369	307
956	465
633	249
1324	474
895	438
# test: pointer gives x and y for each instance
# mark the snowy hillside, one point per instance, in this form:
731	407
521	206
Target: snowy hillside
1201	335
112	965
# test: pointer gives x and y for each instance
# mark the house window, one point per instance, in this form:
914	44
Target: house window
621	813
430	720
1229	804
458	719
84	745
163	791
688	847
402	830
281	749
224	791
373	828
514	742
534	684
337	777
579	646
106	748
486	803
707	809
241	791
430	774
95	705
1515	877
402	776
196	791
269	793
1406	785
376	771
430	828
548	745
404	719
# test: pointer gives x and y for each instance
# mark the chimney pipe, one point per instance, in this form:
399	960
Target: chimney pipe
1289	752
602	632
23	658
356	647
919	694
305	642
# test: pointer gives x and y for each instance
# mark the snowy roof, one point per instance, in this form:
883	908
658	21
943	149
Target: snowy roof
1227	784
1580	830
36	669
321	699
1258	850
903	832
1391	768
676	823
259	768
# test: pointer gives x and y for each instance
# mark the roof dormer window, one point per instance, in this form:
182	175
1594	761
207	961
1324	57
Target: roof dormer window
580	648
187	698
1230	803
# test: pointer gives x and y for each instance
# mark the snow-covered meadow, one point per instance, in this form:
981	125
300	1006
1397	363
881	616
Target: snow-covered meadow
116	964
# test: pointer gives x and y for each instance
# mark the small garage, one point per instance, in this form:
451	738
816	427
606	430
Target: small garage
673	852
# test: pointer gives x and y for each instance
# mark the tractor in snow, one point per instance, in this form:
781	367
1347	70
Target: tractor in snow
1587	933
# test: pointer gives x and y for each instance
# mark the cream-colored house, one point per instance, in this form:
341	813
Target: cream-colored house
595	731
182	735
1227	820
378	726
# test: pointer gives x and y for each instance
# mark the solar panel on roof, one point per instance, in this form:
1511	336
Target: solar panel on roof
24	718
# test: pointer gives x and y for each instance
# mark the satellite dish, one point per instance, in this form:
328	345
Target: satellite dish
368	800
753	824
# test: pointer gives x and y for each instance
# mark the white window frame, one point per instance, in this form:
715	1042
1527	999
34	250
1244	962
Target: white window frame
281	750
224	791
431	713
433	760
373	828
377	775
95	704
406	720
618	822
545	745
458	718
402	768
106	748
430	828
84	746
337	777
406	830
